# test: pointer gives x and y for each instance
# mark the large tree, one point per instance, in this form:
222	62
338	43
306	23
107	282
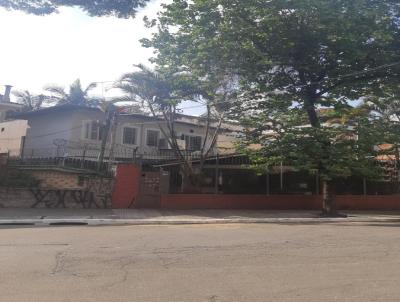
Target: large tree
308	53
119	8
343	146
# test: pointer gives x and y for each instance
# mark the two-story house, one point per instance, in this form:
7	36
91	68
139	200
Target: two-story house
76	131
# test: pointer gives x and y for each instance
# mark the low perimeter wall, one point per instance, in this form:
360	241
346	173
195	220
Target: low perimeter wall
277	202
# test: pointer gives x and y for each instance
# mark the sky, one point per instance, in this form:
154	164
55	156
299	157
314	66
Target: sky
57	49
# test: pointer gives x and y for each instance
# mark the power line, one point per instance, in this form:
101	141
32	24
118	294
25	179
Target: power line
74	128
319	82
202	105
81	126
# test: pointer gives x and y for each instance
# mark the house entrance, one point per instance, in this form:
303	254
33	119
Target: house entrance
137	188
152	185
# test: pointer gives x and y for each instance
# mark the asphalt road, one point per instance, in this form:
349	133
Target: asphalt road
258	262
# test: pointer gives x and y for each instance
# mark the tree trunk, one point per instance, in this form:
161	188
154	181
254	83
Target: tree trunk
397	167
328	199
191	182
312	116
104	138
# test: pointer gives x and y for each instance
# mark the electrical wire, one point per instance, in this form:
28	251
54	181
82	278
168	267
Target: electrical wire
318	82
81	126
202	105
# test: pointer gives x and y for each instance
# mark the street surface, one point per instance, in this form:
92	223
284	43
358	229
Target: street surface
211	263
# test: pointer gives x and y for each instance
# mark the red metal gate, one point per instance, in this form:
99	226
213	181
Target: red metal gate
138	189
126	187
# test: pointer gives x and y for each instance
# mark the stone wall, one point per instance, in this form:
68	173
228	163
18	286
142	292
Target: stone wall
58	179
60	189
16	198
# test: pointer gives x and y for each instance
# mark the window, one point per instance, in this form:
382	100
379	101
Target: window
87	130
152	138
193	143
129	136
93	130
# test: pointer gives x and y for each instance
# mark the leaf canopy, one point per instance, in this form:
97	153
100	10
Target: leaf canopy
76	95
118	8
292	60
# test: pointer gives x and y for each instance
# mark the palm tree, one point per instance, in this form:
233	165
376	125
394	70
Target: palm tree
152	89
76	95
29	101
162	94
146	87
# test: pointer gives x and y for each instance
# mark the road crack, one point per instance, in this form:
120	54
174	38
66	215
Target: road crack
125	273
59	263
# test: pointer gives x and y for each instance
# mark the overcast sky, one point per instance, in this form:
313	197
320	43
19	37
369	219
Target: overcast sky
57	49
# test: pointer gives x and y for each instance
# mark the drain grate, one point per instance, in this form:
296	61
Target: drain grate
62	223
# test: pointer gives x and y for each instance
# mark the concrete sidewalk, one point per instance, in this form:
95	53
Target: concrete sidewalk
157	216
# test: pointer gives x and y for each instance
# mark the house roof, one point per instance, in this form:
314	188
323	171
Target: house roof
181	118
5	106
49	110
187	120
158	119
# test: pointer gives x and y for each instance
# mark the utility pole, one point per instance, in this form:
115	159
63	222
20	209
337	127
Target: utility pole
113	134
110	111
281	176
267	182
216	188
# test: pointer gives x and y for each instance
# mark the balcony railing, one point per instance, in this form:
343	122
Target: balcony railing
88	159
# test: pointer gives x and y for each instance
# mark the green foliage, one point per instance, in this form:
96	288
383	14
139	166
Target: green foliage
29	101
304	47
17	179
76	95
150	87
292	59
118	8
163	89
384	108
343	146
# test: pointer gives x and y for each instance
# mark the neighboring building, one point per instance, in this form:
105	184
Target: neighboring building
58	131
76	131
12	136
11	132
5	103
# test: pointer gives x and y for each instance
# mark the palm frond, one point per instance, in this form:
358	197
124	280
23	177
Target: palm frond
29	101
58	91
91	86
124	99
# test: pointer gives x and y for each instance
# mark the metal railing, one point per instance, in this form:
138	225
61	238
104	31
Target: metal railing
116	153
87	159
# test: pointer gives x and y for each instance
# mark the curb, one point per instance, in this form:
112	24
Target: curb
105	221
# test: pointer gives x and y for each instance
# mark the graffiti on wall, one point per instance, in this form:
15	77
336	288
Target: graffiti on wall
96	193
